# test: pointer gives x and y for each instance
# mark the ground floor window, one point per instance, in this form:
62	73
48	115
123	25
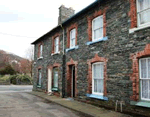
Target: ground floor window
39	77
98	78
144	66
55	77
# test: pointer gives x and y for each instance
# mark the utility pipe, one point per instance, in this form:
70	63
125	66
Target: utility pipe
63	38
64	64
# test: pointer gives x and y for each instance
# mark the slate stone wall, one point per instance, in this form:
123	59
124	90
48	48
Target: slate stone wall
47	60
117	49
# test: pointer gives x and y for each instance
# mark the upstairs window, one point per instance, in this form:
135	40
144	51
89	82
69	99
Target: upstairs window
98	78
145	78
56	45
97	28
39	77
72	37
143	11
40	50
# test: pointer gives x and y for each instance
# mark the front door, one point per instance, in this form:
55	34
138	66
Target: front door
73	81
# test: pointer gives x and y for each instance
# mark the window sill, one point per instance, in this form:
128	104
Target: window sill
73	48
140	103
40	58
55	53
92	42
139	28
97	97
54	89
39	86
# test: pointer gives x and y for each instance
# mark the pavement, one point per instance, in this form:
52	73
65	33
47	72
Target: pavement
87	109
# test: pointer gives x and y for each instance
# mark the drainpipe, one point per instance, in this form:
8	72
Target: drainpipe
63	38
63	65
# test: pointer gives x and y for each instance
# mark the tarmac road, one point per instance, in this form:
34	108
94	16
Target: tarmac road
15	88
15	101
22	104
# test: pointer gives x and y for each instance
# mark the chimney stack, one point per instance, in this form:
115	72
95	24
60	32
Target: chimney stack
64	13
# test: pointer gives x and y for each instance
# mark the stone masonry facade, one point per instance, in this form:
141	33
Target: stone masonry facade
120	54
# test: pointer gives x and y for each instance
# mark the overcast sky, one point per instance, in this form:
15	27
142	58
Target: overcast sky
23	21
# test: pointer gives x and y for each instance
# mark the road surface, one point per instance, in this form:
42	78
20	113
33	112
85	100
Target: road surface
15	101
15	88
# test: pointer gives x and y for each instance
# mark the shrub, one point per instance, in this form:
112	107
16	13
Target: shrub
8	70
20	79
4	78
25	79
13	79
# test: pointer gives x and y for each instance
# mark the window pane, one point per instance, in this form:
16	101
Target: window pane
102	71
149	89
72	37
145	88
72	33
98	77
41	49
56	48
56	41
100	86
98	33
95	85
143	68
55	78
40	76
98	23
96	71
149	68
144	16
143	4
72	43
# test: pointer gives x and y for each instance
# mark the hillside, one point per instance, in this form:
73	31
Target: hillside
10	58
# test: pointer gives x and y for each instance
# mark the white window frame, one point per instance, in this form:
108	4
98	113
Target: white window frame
72	38
39	77
138	18
102	63
143	78
41	50
97	28
56	45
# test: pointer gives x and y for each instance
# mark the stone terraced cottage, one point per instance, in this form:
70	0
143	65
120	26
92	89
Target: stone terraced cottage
100	55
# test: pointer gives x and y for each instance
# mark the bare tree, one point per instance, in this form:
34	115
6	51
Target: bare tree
29	54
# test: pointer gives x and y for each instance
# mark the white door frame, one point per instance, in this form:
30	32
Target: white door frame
49	80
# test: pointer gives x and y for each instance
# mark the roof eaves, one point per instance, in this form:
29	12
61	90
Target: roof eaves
45	35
